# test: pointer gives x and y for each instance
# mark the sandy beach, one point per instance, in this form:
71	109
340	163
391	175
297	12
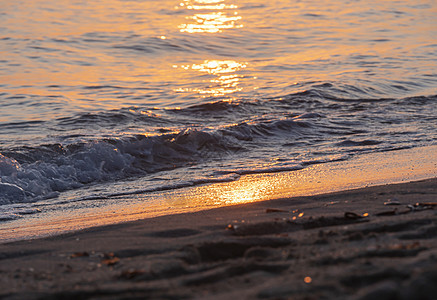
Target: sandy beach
218	149
370	243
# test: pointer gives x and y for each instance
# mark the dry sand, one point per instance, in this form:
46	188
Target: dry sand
346	245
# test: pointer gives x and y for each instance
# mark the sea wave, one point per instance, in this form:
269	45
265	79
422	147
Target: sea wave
33	173
311	124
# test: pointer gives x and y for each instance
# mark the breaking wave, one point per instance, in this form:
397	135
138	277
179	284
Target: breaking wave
29	174
226	137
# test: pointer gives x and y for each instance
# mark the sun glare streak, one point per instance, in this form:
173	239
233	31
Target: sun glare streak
212	16
245	192
225	81
218	66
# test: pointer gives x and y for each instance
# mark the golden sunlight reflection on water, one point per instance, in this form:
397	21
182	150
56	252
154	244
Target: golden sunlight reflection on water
224	81
213	16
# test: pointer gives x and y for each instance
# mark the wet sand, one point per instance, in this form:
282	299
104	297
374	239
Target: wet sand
365	170
371	243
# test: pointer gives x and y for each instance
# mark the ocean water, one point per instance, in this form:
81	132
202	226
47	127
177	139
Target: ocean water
100	99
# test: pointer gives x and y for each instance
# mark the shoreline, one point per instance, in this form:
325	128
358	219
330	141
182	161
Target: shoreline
365	170
356	244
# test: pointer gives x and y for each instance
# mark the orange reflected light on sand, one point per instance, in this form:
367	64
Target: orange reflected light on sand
210	21
393	166
245	192
314	179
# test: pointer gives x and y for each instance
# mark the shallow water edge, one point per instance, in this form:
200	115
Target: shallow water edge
366	170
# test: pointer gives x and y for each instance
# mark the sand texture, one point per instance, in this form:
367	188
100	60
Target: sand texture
373	243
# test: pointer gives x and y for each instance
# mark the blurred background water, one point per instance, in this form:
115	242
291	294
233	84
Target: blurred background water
178	93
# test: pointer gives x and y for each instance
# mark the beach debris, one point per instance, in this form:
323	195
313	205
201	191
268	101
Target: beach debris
387	213
79	254
300	215
110	259
421	206
426	204
232	227
307	279
393	201
410	208
353	216
275	210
